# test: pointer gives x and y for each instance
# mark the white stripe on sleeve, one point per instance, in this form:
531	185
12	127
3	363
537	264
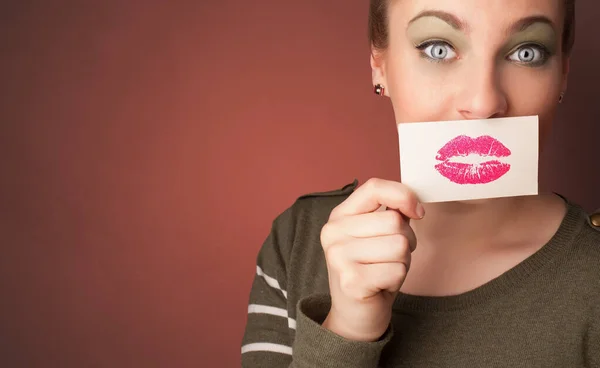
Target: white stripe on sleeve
292	323
270	281
256	308
268	347
279	312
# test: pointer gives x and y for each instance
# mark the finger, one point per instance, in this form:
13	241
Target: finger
383	277
409	233
377	192
383	249
366	225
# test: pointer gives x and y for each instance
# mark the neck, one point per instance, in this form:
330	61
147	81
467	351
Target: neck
469	225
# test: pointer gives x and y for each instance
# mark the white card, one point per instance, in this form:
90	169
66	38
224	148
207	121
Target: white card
470	159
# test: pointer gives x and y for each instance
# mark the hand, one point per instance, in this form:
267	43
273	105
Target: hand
368	256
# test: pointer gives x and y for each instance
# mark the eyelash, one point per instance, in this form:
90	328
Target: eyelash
422	46
546	54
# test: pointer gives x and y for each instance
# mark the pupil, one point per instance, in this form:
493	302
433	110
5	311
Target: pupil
439	51
526	54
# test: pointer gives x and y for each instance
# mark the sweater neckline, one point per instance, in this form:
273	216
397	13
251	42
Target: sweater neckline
508	282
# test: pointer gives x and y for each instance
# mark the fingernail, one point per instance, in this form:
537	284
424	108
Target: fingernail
420	210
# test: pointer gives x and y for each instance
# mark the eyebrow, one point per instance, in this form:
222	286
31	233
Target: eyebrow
525	23
451	19
459	25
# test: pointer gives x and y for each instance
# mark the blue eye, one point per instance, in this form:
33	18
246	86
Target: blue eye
437	51
531	54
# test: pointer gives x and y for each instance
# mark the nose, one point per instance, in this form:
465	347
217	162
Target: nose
482	96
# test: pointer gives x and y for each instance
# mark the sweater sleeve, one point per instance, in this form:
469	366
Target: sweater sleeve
272	338
268	336
315	346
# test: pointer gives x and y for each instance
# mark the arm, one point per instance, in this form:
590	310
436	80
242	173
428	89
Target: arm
316	346
273	338
268	337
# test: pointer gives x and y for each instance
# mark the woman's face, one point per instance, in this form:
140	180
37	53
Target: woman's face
473	59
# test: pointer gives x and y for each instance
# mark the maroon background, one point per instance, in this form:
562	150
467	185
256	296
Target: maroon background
148	145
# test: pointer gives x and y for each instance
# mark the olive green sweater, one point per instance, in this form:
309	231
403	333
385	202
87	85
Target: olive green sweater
545	312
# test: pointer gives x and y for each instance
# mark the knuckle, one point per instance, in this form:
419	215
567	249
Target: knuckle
400	271
412	244
401	245
411	239
334	212
396	276
334	257
326	231
349	281
373	183
408	193
391	277
394	217
408	196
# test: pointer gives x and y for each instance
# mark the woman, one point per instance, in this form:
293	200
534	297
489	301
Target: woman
506	282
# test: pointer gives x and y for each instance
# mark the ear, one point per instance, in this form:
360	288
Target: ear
378	74
565	72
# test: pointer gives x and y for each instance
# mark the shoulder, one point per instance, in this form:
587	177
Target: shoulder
295	233
585	254
309	212
593	220
585	231
591	230
321	204
298	233
590	238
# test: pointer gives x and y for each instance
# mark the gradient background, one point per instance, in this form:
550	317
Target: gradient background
148	145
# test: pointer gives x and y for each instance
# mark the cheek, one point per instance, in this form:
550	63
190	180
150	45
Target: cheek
424	91
417	89
532	92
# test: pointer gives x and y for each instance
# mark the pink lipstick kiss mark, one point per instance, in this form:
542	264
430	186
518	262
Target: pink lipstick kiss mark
467	173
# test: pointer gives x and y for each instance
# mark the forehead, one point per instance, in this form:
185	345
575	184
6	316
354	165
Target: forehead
479	15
